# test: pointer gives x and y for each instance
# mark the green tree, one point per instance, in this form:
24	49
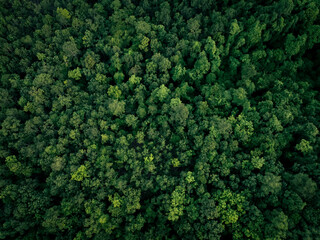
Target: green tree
179	112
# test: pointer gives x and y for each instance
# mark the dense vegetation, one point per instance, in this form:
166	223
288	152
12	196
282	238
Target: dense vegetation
159	119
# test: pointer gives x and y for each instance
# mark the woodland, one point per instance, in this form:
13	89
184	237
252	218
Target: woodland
155	119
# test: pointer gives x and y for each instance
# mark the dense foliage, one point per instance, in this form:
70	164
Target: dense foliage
159	119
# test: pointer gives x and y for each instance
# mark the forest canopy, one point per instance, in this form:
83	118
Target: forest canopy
159	119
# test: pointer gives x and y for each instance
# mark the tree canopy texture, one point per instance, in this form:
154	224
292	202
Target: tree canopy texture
154	119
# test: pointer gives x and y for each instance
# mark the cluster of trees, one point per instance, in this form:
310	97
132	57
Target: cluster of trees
154	119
